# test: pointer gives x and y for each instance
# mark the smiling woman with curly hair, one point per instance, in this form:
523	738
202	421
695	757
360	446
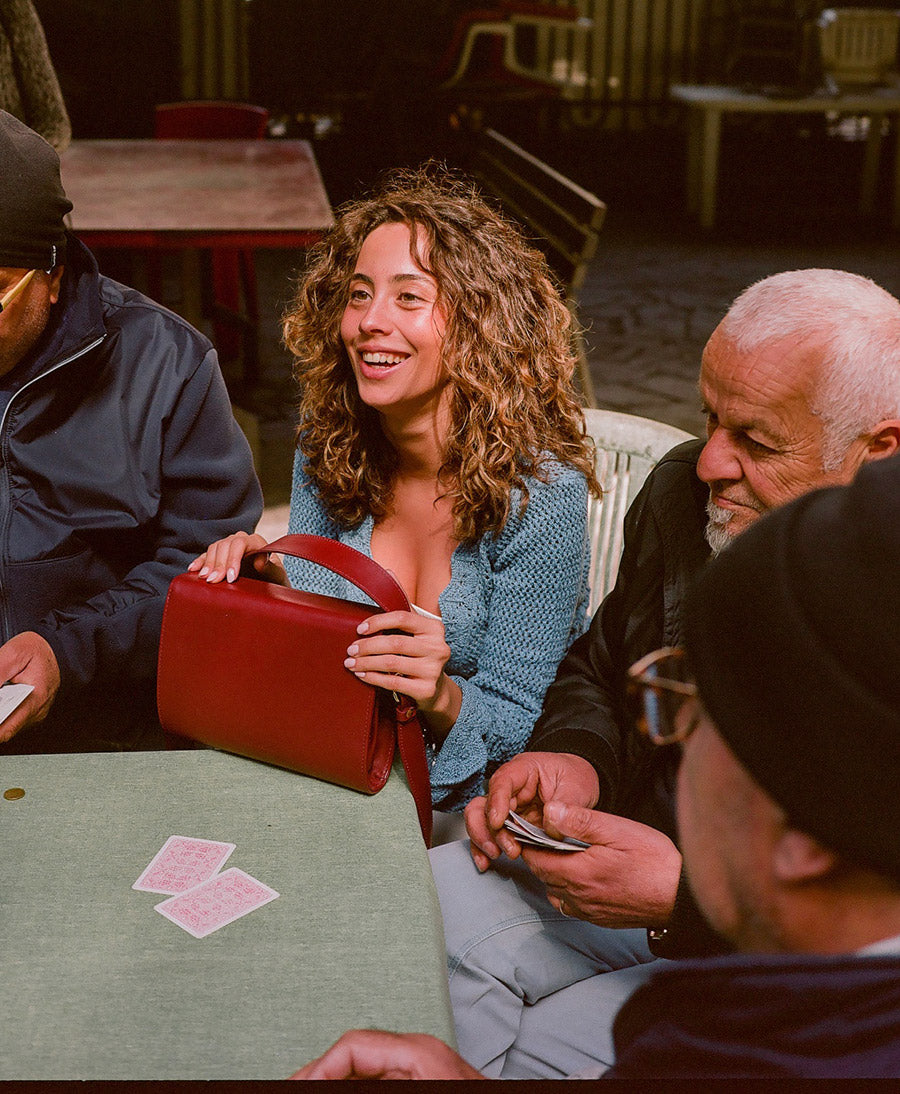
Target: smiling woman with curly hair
507	351
439	433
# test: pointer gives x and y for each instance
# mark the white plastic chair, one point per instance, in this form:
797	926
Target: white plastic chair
627	447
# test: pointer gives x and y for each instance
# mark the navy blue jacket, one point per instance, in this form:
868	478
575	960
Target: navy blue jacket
120	460
803	1016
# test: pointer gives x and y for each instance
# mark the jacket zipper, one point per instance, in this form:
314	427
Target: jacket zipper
4	481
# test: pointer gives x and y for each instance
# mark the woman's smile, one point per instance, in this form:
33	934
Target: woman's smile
376	364
393	327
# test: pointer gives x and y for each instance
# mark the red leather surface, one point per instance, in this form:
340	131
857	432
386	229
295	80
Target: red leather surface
209	119
363	571
257	669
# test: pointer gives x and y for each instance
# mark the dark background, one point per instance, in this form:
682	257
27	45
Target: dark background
787	195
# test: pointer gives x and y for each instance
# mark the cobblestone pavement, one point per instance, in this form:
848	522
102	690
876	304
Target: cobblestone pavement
651	302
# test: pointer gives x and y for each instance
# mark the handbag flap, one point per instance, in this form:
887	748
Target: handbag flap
256	668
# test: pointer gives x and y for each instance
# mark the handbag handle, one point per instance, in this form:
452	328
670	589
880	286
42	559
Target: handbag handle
388	594
357	568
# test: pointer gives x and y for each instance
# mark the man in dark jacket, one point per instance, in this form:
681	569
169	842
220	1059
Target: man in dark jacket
787	803
801	385
786	701
120	460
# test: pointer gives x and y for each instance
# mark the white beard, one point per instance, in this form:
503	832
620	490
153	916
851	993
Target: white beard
716	532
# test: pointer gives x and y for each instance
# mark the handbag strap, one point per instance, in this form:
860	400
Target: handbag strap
357	568
388	594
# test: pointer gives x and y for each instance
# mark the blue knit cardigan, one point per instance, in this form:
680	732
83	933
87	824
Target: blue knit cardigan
513	606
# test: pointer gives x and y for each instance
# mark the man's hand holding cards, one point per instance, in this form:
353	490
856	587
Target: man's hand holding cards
533	836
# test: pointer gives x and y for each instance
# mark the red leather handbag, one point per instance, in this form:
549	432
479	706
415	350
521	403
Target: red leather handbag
258	669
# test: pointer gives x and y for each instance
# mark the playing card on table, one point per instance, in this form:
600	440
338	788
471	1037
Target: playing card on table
183	863
526	832
221	900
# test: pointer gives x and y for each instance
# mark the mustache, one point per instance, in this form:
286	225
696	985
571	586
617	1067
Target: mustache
737	497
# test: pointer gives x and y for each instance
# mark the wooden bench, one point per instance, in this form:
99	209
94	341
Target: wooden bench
559	216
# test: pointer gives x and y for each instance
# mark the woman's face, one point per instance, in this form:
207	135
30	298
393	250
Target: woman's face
393	328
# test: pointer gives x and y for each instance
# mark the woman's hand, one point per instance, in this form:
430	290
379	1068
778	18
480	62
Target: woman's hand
406	652
222	560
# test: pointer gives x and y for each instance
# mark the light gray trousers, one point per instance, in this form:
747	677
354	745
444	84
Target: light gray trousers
534	992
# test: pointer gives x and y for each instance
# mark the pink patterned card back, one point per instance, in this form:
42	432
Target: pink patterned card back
182	863
216	902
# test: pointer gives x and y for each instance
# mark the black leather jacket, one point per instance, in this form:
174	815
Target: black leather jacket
120	460
584	709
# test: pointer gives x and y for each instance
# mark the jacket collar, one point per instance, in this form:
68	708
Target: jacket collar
76	319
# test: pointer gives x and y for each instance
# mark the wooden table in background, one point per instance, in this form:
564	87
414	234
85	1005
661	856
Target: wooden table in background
707	104
185	195
195	194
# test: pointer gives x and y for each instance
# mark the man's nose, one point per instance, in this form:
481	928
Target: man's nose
719	459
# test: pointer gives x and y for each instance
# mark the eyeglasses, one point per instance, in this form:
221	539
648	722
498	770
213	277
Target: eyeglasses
658	686
21	284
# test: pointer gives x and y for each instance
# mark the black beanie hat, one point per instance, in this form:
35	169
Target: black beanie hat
32	200
793	637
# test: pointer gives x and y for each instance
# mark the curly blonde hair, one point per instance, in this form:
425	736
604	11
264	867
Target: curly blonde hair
507	349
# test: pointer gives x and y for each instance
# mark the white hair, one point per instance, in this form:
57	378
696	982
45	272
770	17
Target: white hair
857	325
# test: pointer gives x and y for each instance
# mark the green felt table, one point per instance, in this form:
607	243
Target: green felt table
98	985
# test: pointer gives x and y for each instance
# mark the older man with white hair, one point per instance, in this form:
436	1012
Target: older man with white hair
800	385
785	705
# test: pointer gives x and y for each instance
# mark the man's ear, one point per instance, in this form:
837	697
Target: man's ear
55	281
798	857
884	440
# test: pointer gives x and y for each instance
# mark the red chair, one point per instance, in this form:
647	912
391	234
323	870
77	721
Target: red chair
209	119
232	270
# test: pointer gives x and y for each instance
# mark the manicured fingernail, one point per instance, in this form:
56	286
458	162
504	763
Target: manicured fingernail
353	649
362	628
231	575
194	565
213	575
204	572
360	675
349	662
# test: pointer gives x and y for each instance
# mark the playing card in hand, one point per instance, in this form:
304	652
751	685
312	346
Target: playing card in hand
533	836
216	902
11	695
